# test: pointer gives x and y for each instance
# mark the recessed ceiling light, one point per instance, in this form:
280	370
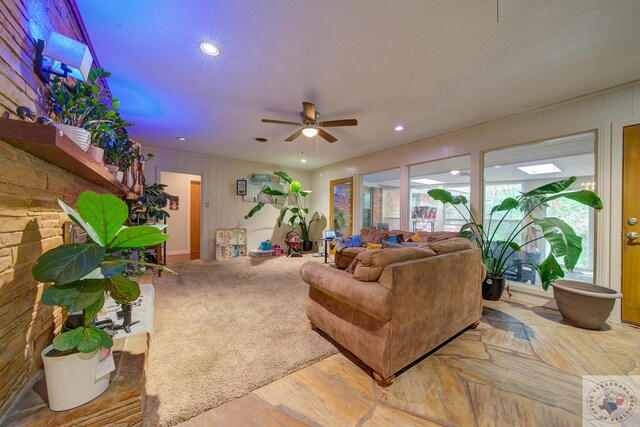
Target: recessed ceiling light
310	131
303	161
209	48
497	166
181	138
426	181
540	169
261	139
455	172
398	128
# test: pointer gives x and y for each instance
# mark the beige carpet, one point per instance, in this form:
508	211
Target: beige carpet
223	329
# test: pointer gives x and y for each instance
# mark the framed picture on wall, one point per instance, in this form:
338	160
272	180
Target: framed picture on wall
241	187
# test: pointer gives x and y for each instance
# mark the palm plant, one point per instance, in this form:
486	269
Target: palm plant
563	241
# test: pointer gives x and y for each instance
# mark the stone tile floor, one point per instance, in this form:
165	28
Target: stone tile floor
521	366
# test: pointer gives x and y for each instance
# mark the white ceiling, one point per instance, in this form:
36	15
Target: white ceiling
432	65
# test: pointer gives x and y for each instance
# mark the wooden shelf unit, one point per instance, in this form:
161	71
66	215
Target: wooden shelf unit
51	145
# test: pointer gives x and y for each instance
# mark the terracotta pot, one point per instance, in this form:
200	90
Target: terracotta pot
584	304
492	288
96	153
80	136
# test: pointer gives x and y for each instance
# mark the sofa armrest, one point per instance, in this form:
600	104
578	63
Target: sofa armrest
369	297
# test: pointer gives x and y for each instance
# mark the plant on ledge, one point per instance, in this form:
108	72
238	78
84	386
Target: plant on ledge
81	273
292	204
563	241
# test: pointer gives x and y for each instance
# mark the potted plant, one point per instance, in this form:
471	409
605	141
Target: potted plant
78	109
497	254
291	204
152	203
81	274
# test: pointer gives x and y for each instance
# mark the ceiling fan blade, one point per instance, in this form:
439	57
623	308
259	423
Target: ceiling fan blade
280	122
294	136
326	135
309	111
336	123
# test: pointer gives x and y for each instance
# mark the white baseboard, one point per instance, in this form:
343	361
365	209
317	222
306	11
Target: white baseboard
178	252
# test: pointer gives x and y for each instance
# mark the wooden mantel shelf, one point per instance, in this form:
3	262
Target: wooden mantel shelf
51	145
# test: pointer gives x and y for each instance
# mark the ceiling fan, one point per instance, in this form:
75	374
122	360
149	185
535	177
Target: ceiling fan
311	124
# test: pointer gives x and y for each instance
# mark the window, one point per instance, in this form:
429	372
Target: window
510	171
380	199
425	214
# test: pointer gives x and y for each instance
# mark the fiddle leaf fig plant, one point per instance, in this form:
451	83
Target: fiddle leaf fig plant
81	273
563	241
292	204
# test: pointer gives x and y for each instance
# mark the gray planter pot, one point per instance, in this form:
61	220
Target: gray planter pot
584	304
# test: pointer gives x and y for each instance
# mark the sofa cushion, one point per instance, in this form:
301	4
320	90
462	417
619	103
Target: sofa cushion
436	236
451	245
368	265
370	298
387	244
372	235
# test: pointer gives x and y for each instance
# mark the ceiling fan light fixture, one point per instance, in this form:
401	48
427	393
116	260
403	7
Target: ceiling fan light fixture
398	128
310	131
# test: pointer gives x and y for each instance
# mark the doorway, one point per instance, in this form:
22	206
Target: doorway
184	221
631	225
341	209
194	219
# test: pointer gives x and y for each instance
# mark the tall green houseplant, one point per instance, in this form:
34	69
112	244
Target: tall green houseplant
563	241
81	273
292	204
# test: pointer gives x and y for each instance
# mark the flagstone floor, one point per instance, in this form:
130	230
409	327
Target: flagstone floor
521	366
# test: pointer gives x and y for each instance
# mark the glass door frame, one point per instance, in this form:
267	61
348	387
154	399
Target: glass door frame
333	183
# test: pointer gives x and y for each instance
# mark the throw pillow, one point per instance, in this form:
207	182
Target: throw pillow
414	244
388	244
392	239
372	246
415	238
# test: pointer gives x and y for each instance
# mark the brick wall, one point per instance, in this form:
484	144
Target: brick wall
30	221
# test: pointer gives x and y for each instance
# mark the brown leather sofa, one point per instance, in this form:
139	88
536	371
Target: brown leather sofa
344	257
393	306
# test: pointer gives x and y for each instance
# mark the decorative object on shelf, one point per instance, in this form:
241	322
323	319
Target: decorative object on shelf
291	204
62	56
584	304
81	273
231	243
26	114
496	254
43	120
241	187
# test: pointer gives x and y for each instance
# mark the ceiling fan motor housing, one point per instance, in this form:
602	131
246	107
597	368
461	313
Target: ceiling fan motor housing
309	122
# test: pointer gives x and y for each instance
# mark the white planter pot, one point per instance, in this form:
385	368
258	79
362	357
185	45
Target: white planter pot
80	136
71	379
96	153
120	176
